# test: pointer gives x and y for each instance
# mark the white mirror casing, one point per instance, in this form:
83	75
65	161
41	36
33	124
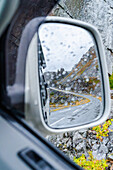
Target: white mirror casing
34	109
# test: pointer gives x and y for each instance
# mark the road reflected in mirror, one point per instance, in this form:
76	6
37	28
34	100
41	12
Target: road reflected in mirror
70	77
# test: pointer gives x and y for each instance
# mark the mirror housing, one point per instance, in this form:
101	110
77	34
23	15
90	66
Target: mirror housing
33	83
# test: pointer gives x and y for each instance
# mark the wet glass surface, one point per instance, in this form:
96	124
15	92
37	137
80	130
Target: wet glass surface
70	78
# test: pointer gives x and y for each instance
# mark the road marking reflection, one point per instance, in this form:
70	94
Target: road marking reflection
57	121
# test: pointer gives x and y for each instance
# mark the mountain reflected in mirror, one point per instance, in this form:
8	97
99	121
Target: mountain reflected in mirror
70	78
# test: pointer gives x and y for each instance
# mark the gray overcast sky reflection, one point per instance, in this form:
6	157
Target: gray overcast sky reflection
63	45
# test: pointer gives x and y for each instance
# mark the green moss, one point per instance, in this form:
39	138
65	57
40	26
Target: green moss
111	81
102	130
91	163
52	93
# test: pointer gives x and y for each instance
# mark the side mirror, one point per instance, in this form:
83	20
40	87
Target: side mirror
66	75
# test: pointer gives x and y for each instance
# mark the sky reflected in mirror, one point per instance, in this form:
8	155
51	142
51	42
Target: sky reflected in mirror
72	73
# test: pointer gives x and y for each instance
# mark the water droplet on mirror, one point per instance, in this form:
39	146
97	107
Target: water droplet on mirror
66	104
64	72
68	80
73	99
59	87
98	77
39	52
62	101
91	56
81	47
87	80
79	81
72	76
47	74
48	59
85	59
47	49
52	77
48	82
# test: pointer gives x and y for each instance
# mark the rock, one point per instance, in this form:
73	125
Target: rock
111	126
111	136
110	146
89	141
69	143
101	152
81	147
103	149
83	132
95	146
93	141
65	140
71	156
77	138
98	155
110	150
88	146
65	150
110	156
105	140
61	136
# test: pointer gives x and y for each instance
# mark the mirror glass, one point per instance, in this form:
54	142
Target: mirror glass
70	77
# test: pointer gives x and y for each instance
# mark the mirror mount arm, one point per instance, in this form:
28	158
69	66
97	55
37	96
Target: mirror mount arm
16	92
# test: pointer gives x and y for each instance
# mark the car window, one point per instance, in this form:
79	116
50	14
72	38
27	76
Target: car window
93	143
7	10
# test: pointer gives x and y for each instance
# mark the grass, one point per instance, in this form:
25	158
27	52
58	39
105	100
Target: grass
91	163
111	81
103	130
